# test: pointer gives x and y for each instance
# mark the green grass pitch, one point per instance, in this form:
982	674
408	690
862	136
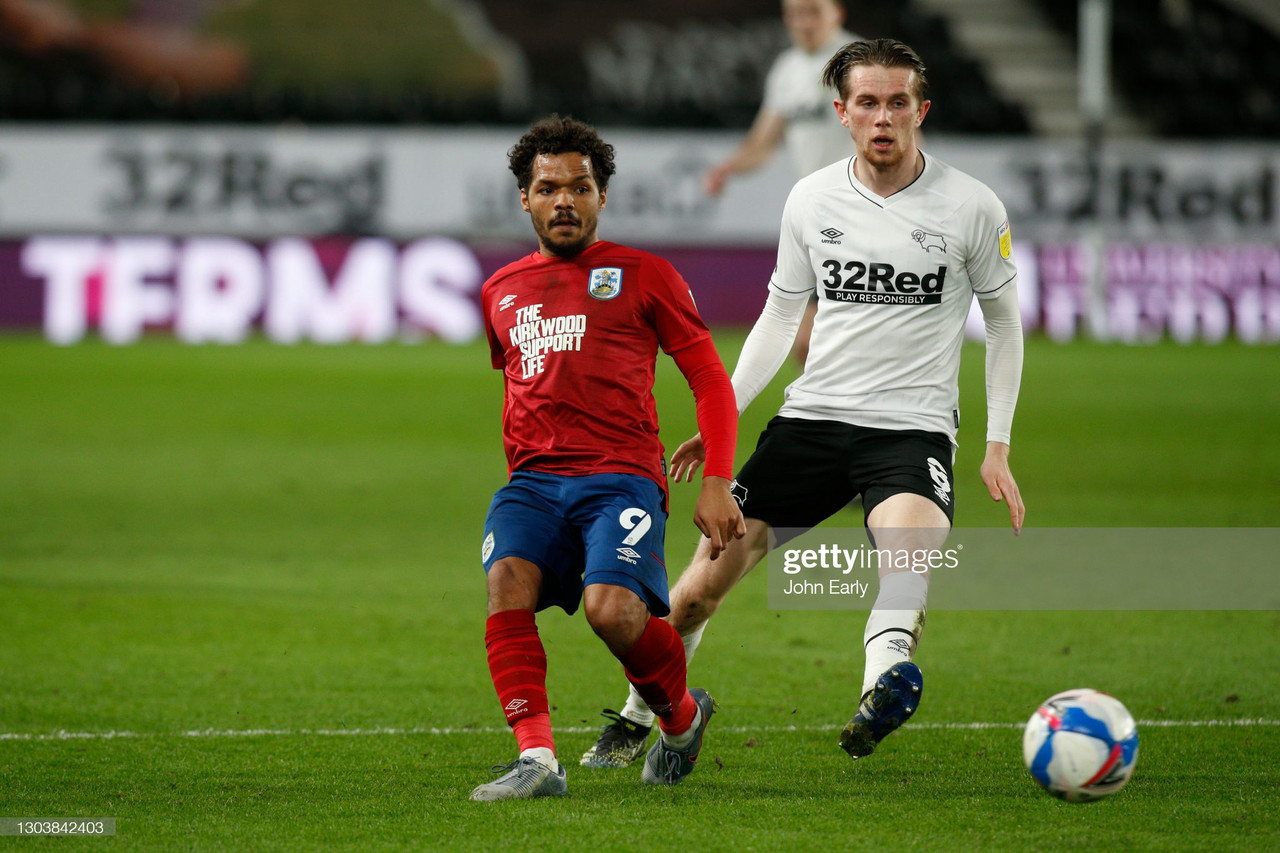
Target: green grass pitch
241	608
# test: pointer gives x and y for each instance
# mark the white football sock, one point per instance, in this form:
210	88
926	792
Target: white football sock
691	641
636	710
895	624
682	740
543	756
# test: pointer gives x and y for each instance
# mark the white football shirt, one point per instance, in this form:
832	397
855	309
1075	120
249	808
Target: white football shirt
793	89
894	278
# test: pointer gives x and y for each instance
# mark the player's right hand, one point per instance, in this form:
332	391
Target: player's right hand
687	459
714	180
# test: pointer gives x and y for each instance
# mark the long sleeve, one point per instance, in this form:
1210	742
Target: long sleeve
713	397
1003	322
767	346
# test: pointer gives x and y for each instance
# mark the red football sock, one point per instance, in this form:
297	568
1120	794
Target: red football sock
518	665
656	666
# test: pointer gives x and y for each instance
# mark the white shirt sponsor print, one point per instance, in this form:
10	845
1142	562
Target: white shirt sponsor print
536	336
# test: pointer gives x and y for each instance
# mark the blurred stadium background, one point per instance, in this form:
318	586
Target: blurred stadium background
333	171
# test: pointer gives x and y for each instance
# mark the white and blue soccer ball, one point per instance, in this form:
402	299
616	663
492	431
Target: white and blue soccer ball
1081	745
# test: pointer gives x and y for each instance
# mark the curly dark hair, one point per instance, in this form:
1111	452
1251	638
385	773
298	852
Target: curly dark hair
561	135
889	53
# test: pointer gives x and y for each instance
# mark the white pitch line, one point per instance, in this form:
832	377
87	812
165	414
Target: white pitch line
493	730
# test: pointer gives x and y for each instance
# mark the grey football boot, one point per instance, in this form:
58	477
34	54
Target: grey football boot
666	765
523	779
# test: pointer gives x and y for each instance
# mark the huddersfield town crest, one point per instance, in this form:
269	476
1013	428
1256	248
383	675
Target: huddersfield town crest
605	282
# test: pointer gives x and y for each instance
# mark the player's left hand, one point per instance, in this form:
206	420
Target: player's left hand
718	515
1000	483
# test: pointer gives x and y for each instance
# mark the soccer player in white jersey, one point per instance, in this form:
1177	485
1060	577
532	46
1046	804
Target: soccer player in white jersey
796	111
896	244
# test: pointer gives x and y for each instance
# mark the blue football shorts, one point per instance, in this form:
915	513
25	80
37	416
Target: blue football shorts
596	528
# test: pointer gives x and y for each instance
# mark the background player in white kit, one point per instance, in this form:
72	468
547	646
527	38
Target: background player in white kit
796	110
896	244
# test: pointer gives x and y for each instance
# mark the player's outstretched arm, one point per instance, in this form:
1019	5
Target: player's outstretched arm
1003	321
998	477
764	137
718	515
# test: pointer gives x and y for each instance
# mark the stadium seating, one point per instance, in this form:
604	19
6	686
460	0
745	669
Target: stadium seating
1197	69
736	40
1192	69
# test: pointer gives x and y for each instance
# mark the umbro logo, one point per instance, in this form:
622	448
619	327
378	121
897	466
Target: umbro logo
515	705
630	555
830	235
506	301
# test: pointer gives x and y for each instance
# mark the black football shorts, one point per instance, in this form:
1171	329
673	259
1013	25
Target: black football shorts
802	472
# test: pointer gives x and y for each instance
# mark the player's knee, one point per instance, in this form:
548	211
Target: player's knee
694	602
706	583
687	618
617	615
510	572
513	584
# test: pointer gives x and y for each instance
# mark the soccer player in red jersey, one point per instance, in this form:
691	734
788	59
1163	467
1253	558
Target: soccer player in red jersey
575	328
